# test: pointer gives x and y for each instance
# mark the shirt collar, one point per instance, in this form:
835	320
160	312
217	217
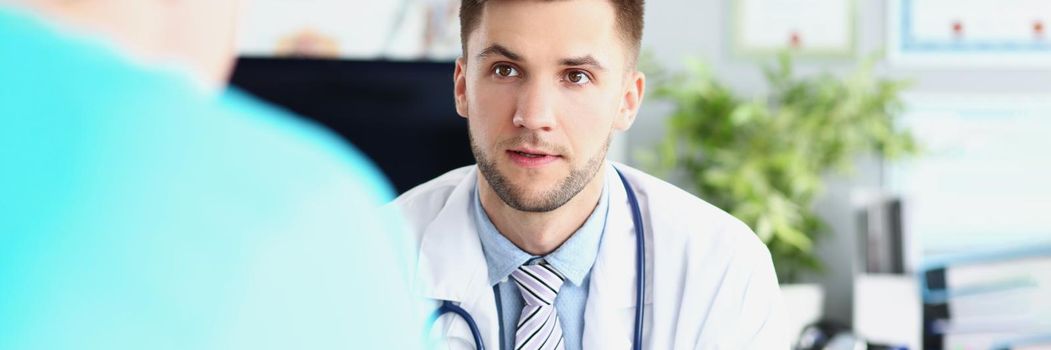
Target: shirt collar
573	259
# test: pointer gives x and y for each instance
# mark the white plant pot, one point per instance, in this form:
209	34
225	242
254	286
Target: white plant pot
803	305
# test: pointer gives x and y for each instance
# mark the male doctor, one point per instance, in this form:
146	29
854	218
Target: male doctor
536	243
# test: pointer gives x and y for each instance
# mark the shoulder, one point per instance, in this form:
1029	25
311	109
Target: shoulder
421	204
717	262
681	217
439	187
268	158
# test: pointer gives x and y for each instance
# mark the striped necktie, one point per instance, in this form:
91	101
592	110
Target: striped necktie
538	326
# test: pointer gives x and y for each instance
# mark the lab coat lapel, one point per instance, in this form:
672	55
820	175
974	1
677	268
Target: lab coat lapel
452	267
609	314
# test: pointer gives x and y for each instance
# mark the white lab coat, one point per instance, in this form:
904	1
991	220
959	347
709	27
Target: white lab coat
710	283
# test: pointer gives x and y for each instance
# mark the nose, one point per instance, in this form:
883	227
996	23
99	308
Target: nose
536	107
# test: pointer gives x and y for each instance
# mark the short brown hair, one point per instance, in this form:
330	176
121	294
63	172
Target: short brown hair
629	18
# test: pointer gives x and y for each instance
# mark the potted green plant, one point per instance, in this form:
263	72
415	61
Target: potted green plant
763	159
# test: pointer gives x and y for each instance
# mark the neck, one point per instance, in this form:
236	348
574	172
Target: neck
133	27
140	30
540	234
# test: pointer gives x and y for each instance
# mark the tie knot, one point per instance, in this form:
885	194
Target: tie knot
538	283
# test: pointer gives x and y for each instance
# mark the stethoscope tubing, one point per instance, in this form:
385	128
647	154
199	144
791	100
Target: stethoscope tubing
640	261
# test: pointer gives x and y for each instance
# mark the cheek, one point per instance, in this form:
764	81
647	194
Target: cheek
587	120
491	109
492	101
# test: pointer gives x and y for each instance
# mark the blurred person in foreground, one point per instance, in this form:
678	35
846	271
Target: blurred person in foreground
143	206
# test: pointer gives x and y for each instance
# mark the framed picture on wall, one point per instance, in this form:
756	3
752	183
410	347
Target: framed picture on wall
969	33
821	28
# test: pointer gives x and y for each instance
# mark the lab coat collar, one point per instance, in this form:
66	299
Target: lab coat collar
611	304
613	275
451	266
451	261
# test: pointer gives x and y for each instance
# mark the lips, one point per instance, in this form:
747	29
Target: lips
529	152
529	155
530	158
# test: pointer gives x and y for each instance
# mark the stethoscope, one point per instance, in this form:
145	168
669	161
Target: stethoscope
640	284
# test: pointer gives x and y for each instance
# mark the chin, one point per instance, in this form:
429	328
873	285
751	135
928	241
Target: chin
530	190
535	180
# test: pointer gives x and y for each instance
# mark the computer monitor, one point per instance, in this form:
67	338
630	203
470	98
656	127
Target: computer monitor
400	114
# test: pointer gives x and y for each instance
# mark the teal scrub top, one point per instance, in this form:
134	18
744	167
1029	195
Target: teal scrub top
139	211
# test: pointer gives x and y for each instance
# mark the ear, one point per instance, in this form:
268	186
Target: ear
460	86
634	91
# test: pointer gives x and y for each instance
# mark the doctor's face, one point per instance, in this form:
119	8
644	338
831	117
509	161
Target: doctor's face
543	85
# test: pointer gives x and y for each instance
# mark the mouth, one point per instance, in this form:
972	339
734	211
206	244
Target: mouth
530	158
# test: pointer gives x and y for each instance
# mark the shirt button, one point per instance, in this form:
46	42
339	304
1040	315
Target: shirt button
504	280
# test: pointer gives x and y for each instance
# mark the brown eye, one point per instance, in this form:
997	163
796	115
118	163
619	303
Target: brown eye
505	71
578	77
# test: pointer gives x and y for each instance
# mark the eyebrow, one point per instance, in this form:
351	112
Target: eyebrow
586	60
497	49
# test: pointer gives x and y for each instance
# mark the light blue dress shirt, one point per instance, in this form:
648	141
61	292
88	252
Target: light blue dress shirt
573	259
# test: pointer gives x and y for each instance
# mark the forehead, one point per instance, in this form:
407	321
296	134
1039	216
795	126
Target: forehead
549	28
